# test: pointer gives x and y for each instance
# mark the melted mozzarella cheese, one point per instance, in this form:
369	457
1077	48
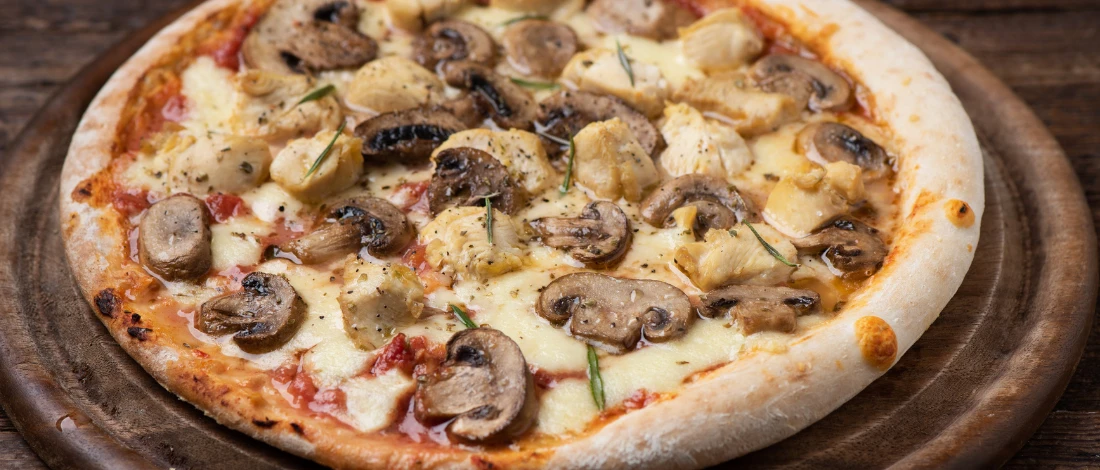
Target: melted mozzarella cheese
566	408
236	242
210	95
665	55
371	403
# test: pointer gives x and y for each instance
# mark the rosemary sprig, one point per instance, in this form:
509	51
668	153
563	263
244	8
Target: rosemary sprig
595	381
569	167
489	217
328	149
771	249
524	18
462	317
535	85
316	94
625	62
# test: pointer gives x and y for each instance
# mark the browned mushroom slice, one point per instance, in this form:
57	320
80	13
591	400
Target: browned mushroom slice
718	203
827	142
599	237
262	316
484	385
848	246
407	136
174	238
613	313
761	308
805	80
509	105
654	19
464	108
355	223
465	176
312	35
539	47
454	40
567	112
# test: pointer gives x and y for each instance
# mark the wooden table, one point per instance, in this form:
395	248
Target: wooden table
1046	50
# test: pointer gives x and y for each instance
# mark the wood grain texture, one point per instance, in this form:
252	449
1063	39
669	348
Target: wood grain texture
1045	50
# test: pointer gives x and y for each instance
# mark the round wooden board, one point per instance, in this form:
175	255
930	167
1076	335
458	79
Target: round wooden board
968	394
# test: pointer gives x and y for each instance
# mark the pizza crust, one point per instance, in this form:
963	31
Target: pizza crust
746	405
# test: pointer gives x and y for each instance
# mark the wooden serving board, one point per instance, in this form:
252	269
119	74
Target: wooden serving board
968	394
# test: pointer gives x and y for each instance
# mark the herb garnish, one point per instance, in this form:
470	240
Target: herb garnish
462	317
770	248
489	217
328	149
595	381
625	62
535	85
524	18
569	167
317	94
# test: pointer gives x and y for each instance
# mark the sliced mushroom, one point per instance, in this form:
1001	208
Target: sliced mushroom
599	237
613	313
495	96
466	176
454	40
718	203
827	142
360	222
539	47
761	308
654	19
262	316
484	385
567	112
306	36
805	80
407	136
174	238
848	246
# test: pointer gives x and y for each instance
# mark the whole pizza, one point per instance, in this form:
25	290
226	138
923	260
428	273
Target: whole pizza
521	233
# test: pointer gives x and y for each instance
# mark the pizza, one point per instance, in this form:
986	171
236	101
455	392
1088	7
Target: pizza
521	233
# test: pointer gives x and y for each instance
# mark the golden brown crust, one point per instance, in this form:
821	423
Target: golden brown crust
743	406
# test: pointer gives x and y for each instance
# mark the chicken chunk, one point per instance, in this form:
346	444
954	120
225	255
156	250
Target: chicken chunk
736	256
601	71
393	84
340	168
611	163
269	106
751	112
801	203
723	40
457	243
520	152
412	15
699	145
216	163
377	299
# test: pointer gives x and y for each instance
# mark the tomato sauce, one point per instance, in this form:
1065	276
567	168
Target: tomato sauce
225	47
130	202
223	206
164	104
413	196
298	388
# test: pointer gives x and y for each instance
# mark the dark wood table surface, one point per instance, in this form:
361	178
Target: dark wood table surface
1048	51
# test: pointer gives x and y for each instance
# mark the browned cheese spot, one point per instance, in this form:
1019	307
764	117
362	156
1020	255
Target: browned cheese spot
959	213
876	341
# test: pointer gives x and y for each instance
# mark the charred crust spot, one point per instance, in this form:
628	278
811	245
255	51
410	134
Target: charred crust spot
107	303
82	192
877	341
139	333
135	318
959	213
264	423
297	428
